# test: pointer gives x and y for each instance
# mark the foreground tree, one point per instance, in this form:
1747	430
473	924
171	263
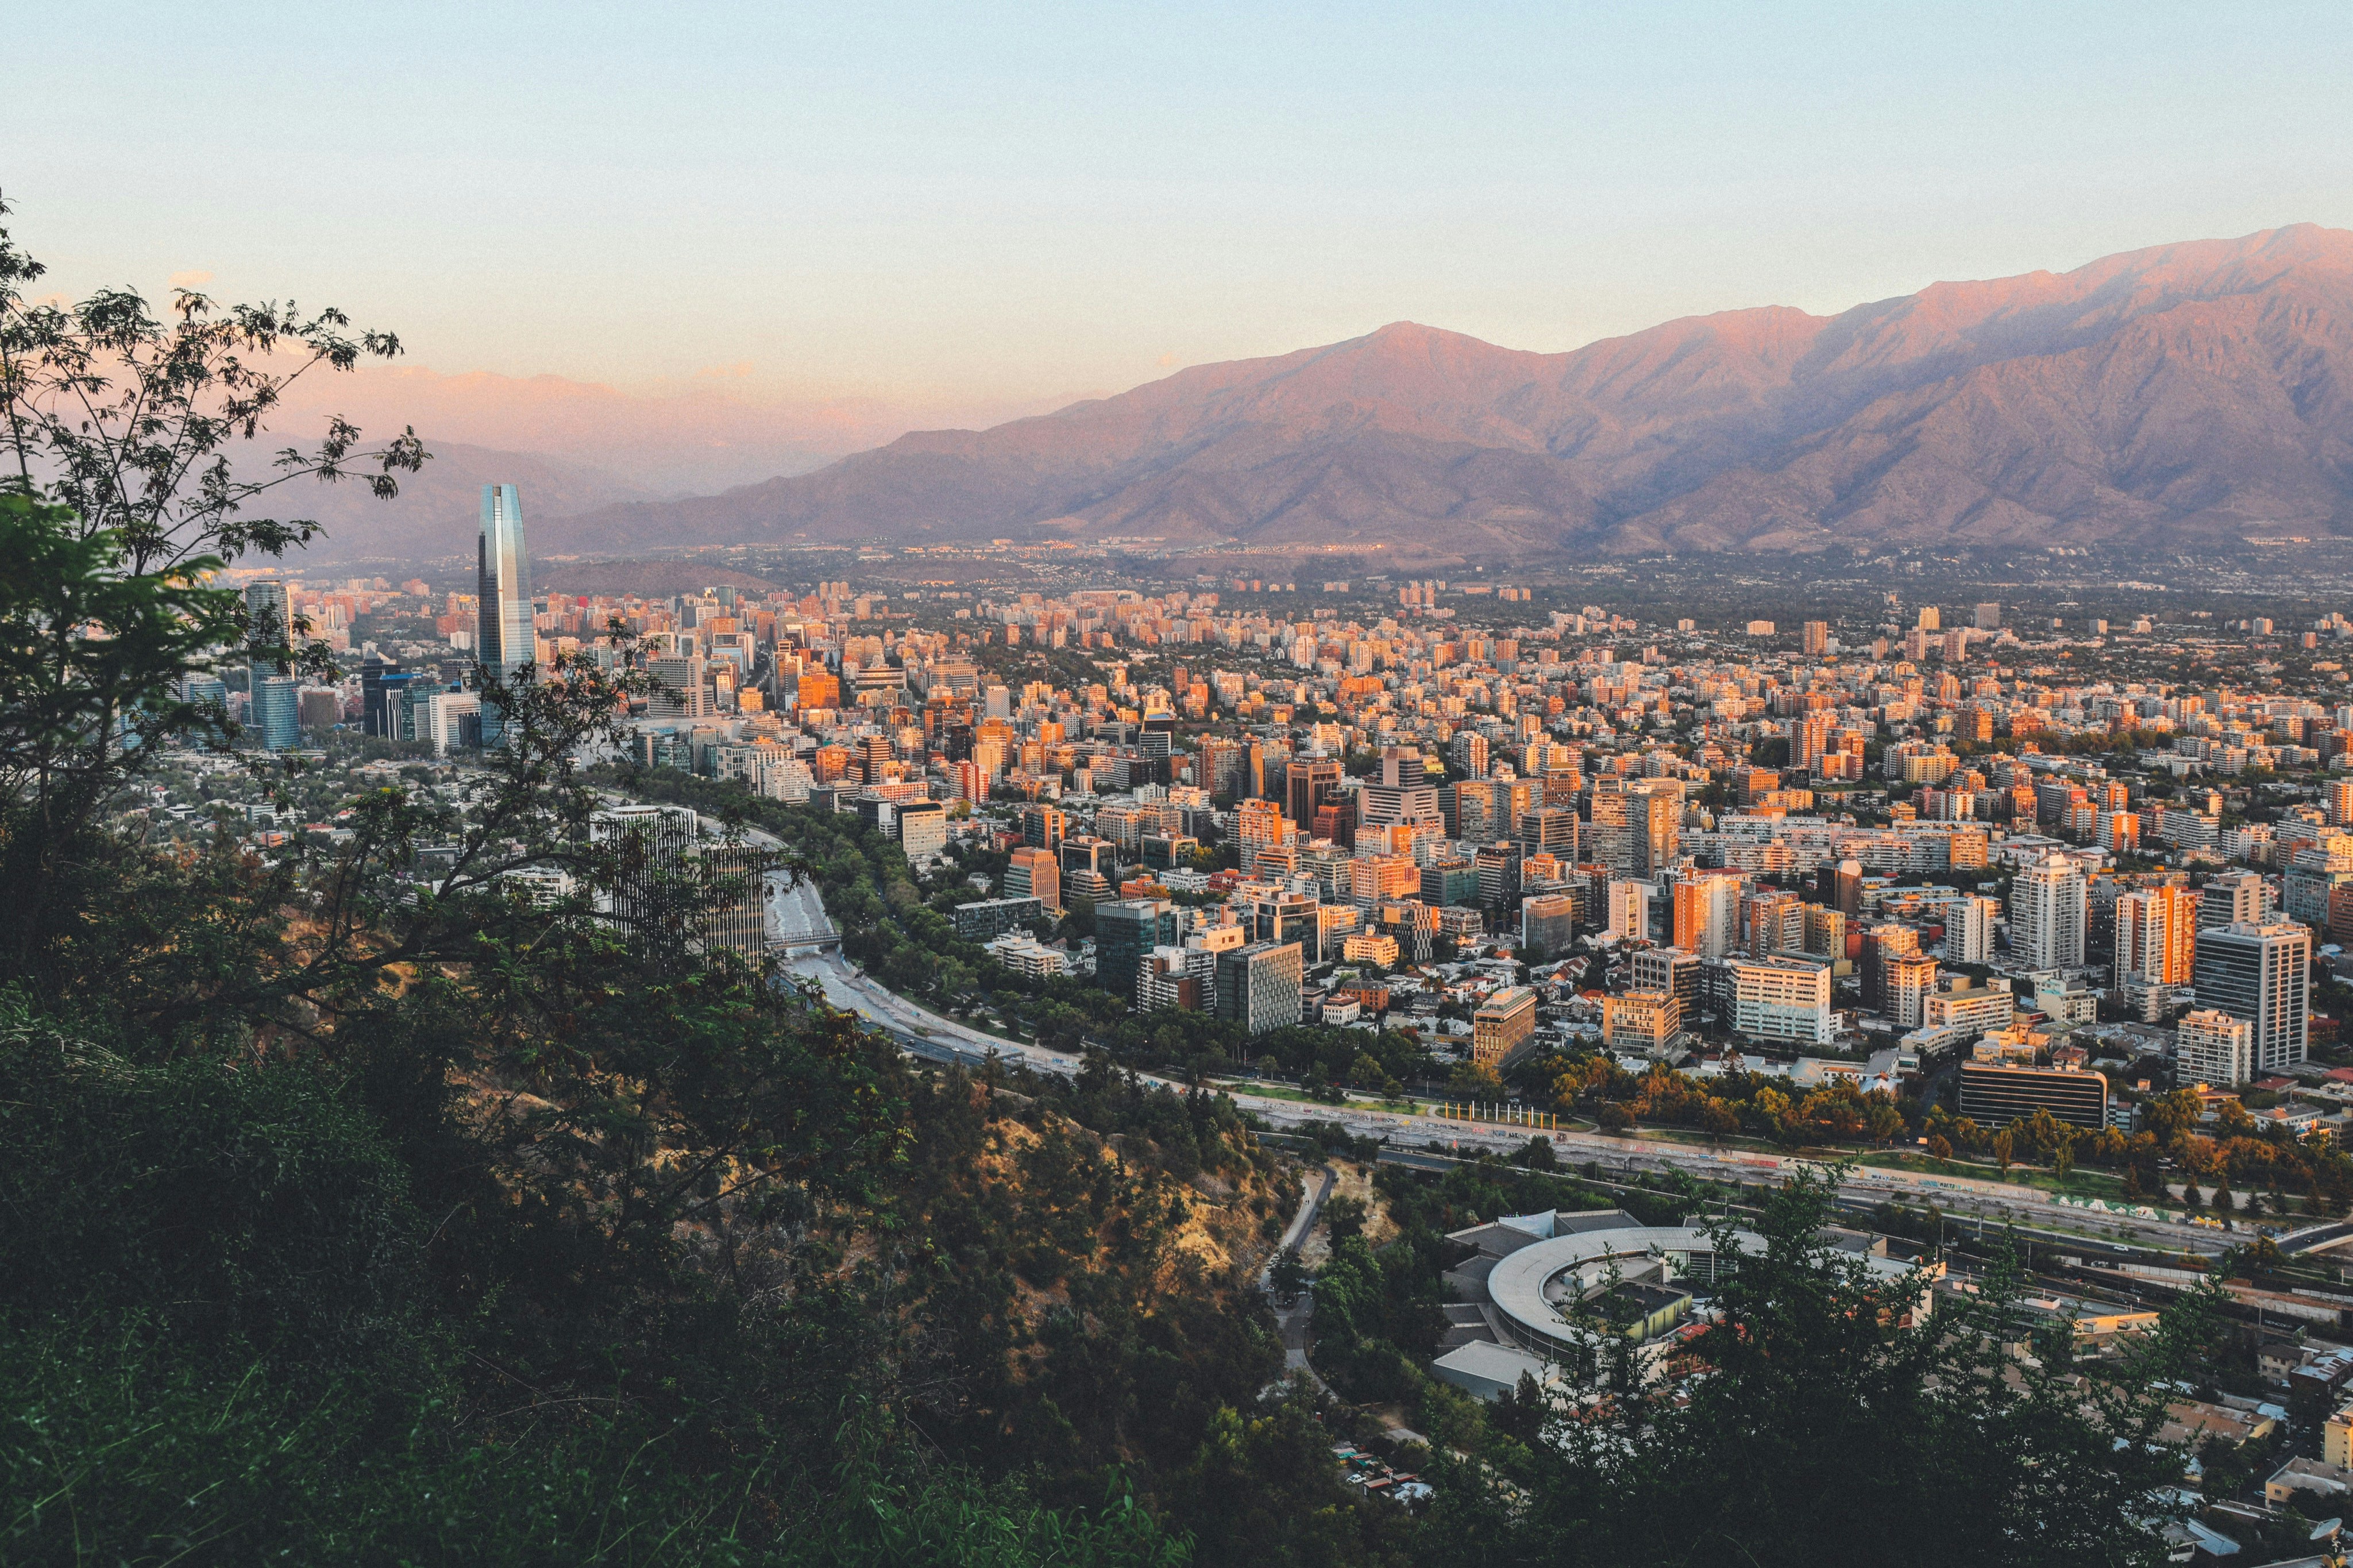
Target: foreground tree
361	1212
1827	1423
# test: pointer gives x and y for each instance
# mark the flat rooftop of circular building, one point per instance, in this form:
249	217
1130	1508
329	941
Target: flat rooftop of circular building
1517	1285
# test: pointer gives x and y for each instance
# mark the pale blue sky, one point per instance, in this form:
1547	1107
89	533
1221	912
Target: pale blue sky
975	201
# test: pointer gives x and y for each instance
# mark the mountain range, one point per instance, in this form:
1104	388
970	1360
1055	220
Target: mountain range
2198	392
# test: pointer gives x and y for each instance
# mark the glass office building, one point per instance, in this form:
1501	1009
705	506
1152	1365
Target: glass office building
506	638
273	714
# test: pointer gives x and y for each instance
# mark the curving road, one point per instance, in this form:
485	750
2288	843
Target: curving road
797	916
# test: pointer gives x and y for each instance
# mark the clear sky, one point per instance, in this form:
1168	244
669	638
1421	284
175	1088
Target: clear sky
983	203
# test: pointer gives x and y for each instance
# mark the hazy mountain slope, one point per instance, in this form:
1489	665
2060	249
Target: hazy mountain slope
2184	389
439	509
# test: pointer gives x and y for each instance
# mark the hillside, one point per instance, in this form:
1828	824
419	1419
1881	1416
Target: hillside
2190	390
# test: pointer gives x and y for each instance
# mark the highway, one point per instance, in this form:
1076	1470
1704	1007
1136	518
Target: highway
798	922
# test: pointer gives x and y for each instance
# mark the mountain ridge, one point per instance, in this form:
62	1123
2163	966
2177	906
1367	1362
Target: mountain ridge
2172	392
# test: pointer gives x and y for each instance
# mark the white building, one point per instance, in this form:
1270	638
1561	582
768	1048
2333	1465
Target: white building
1781	999
2215	1048
2262	975
1968	931
1027	956
2046	914
1630	910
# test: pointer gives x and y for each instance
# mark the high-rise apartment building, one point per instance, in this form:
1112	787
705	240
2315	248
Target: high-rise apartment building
1881	946
2213	1048
1638	828
1775	921
1707	913
1630	910
2047	904
1044	827
2261	974
1968	931
2157	936
1548	830
2238	898
1910	980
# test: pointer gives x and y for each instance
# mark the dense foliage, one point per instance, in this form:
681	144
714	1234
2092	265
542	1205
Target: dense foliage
1834	1425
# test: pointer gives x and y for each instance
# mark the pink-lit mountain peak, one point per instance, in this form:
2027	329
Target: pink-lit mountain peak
2183	388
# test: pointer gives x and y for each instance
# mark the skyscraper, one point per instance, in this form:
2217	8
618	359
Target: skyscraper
2046	914
2156	935
506	639
270	680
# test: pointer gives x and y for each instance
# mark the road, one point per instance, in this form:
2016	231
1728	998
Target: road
797	916
1293	1320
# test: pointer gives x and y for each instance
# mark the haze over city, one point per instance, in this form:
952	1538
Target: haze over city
820	231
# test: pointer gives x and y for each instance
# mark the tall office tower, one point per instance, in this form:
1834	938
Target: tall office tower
2263	974
1402	767
1124	932
1549	830
1968	931
874	758
1547	926
276	713
1816	635
1310	782
2157	936
505	638
2046	914
2238	899
1470	751
735	885
1259	986
645	848
2213	1048
1034	874
269	626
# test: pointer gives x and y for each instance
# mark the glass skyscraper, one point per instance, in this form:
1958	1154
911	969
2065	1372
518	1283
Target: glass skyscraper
506	638
272	713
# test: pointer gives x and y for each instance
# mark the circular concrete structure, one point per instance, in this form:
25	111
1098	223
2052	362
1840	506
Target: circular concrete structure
1524	1285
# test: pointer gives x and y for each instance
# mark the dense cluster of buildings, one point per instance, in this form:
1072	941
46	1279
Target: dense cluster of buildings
1666	841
